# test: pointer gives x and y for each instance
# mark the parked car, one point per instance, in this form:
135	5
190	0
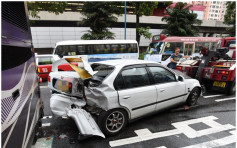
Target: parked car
123	90
44	64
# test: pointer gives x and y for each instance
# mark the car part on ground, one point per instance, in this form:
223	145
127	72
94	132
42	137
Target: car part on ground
62	105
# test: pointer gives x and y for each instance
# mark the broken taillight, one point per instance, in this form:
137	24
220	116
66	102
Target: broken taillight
70	85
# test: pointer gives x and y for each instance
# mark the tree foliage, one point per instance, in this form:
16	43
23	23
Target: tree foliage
52	7
142	8
99	16
229	17
181	21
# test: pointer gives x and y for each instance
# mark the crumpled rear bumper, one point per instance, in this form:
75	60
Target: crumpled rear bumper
62	105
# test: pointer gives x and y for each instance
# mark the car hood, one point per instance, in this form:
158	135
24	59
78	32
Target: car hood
179	73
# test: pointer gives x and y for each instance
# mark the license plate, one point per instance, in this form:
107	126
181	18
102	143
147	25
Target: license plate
219	84
62	86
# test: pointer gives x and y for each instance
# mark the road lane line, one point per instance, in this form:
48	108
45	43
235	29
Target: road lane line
46	124
140	137
44	87
226	99
215	143
47	117
192	133
161	147
181	128
211	96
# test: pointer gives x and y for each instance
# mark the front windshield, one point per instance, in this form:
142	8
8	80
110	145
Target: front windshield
231	43
155	48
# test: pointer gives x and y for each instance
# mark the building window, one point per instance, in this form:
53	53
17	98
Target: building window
215	15
211	15
216	11
217	7
213	6
214	2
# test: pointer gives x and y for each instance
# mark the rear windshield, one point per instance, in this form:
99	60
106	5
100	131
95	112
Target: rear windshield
102	70
45	60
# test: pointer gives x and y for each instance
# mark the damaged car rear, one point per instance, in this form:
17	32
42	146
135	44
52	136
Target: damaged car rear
116	92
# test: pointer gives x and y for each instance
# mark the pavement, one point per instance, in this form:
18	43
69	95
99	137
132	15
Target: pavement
210	123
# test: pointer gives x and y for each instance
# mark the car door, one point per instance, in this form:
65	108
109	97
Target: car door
169	91
135	91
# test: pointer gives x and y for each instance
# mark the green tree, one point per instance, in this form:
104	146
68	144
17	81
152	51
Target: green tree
229	17
52	7
181	21
99	17
142	8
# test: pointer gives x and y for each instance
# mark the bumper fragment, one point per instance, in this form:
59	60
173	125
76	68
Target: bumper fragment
62	105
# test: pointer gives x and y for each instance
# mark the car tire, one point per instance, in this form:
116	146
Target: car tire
232	88
193	97
112	122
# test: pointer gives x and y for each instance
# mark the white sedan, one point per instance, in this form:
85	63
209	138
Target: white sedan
123	90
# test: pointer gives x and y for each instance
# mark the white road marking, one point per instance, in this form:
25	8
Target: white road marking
140	137
211	96
44	87
216	143
192	133
43	143
226	99
181	127
161	147
46	124
47	117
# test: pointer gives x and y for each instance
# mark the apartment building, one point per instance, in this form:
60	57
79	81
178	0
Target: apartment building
214	10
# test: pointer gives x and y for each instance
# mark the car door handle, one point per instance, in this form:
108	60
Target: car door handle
126	97
162	90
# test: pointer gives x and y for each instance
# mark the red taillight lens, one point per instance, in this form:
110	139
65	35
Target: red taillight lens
70	85
179	68
222	72
49	79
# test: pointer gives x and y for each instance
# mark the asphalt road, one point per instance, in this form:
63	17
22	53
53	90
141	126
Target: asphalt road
211	123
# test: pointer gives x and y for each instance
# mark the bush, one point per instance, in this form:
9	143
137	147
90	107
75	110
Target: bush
141	56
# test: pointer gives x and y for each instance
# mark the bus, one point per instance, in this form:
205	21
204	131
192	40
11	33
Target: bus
98	50
21	104
162	47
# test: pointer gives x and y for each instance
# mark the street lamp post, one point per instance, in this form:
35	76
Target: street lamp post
125	19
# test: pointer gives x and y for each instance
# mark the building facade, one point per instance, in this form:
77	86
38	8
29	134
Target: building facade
214	10
51	28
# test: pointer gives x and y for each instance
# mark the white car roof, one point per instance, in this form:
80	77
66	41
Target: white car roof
125	62
83	42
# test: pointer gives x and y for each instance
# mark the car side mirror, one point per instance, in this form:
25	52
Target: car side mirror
180	78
